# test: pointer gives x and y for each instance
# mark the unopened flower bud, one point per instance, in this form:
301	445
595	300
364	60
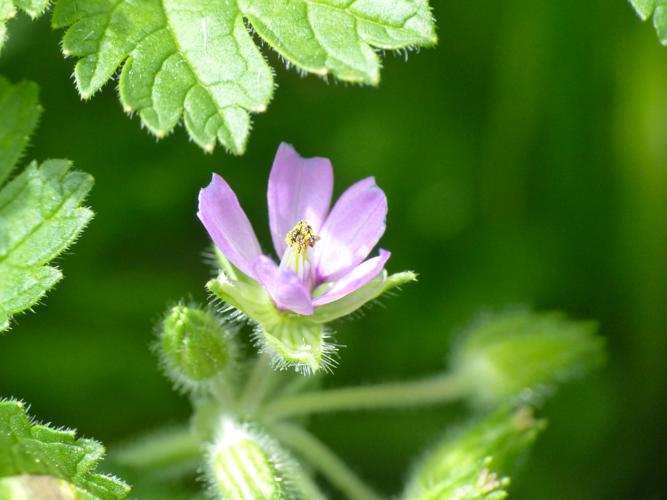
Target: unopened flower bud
195	345
524	354
244	464
474	463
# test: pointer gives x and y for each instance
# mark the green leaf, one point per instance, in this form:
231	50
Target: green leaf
40	214
474	463
657	8
334	36
8	8
195	61
20	111
524	354
30	451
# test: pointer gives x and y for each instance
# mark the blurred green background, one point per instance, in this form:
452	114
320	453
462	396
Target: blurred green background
525	160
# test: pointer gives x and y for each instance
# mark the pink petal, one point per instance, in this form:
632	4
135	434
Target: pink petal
299	189
284	286
354	226
355	279
228	225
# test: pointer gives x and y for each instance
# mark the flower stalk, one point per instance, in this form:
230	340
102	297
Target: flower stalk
321	457
433	390
258	385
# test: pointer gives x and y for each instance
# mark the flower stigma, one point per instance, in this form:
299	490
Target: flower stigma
301	237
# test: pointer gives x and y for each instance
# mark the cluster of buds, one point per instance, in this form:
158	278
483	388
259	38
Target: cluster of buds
248	415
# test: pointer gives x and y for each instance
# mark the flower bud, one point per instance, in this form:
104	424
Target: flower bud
195	345
474	463
244	464
524	354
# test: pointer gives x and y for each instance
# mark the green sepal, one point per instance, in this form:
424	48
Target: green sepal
522	354
292	340
474	463
248	298
30	451
359	298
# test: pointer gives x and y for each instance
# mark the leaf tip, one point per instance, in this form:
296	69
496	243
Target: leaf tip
643	9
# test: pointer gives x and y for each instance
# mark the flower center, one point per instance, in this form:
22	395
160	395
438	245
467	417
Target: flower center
301	237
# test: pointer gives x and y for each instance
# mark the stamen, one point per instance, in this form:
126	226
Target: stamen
301	237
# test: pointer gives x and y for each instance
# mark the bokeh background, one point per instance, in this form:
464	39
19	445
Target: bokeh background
525	160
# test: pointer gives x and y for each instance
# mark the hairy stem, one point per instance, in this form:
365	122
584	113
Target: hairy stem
321	457
258	385
171	447
432	390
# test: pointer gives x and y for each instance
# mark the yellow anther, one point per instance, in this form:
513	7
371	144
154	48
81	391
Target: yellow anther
301	237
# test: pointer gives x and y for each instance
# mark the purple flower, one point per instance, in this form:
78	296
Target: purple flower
321	250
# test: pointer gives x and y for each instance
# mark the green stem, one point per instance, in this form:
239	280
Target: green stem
432	390
258	385
224	393
307	486
177	446
322	458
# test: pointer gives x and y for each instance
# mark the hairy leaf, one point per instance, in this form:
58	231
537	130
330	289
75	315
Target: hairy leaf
39	460
8	8
40	214
196	61
20	111
474	463
657	8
